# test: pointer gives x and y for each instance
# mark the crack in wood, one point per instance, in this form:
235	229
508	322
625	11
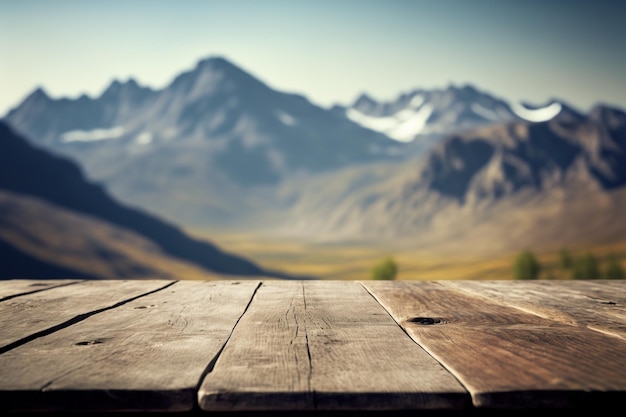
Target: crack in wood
9	297
46	385
295	336
308	352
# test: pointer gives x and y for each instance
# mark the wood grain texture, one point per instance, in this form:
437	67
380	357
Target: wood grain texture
12	288
597	304
31	314
506	357
149	354
266	360
324	346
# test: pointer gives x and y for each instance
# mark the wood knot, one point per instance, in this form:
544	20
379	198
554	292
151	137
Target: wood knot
89	342
142	307
426	321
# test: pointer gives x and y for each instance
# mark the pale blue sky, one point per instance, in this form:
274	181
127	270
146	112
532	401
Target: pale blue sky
330	51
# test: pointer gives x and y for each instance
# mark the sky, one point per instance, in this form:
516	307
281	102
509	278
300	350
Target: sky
329	51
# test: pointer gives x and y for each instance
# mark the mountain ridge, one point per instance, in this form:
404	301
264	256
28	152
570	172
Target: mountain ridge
213	129
425	115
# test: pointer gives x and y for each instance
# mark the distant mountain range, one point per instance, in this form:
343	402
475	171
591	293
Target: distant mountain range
55	224
193	150
218	148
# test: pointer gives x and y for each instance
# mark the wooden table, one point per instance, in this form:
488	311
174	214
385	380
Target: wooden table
312	347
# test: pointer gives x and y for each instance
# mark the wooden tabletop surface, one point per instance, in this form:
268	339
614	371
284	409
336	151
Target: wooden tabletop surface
311	346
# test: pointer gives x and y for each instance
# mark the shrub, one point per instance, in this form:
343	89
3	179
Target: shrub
614	269
586	267
526	266
566	259
385	270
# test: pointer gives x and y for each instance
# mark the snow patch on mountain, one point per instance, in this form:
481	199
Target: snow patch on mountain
411	123
143	138
402	126
417	101
536	115
379	124
286	118
92	135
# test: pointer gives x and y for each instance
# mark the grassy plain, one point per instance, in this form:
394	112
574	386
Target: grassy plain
354	260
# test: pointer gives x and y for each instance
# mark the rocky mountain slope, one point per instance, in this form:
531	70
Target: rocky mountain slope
501	186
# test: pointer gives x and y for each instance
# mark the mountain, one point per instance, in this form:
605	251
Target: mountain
46	203
423	116
498	187
202	150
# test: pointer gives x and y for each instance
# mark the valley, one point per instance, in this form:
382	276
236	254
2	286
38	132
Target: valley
354	260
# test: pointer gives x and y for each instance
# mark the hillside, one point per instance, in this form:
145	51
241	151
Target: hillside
46	201
45	241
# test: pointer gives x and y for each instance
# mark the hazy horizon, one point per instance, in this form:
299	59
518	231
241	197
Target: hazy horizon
329	52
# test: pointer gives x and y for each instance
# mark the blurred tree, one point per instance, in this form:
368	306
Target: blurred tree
614	269
526	266
586	267
566	259
385	270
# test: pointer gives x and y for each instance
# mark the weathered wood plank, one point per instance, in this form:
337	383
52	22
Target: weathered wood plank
147	355
266	360
597	304
28	315
506	357
11	288
324	346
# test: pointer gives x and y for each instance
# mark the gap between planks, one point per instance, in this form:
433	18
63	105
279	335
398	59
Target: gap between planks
211	365
408	335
